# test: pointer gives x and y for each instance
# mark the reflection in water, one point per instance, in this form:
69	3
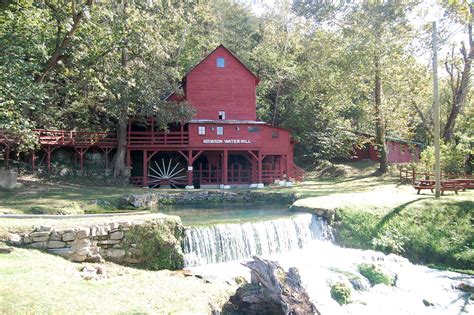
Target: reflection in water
213	214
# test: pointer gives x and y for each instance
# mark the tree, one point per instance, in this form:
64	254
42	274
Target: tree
459	69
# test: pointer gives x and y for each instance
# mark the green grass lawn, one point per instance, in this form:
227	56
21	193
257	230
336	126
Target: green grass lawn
36	196
32	282
373	212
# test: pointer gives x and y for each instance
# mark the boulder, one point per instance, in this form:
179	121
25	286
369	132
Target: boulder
271	291
146	201
116	235
82	233
15	239
39	236
8	178
69	236
56	244
5	249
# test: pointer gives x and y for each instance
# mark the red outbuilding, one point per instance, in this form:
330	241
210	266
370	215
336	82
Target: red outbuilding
398	150
224	145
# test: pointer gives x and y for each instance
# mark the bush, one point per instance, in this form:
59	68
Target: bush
452	158
375	275
159	244
341	293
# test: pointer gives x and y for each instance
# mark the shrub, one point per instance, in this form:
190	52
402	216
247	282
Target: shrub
375	275
158	243
452	158
341	293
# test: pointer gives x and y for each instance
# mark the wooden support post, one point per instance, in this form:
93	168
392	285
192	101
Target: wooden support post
7	157
182	132
33	157
48	158
190	170
281	167
260	169
81	158
153	130
145	169
106	157
129	158
225	170
288	168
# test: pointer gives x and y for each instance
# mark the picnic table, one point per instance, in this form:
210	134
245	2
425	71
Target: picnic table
465	183
446	185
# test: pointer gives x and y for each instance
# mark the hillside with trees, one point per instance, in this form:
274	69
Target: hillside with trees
326	69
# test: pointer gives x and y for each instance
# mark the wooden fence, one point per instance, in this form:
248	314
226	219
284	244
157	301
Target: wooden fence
412	175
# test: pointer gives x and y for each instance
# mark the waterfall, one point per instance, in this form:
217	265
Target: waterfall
230	242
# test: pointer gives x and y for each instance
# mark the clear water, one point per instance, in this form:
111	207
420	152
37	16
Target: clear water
303	241
215	214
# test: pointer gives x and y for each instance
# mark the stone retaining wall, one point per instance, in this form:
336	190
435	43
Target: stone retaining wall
103	241
150	200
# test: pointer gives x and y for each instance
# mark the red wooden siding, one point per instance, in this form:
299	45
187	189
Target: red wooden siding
231	89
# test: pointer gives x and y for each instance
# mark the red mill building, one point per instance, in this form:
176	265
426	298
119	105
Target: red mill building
224	145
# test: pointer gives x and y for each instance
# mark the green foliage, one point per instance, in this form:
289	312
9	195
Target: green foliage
375	275
124	57
453	158
341	293
159	244
426	231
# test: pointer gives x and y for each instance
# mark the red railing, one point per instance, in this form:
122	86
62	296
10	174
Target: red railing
6	138
76	138
139	138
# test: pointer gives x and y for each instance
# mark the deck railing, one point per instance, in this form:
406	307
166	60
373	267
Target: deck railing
139	138
76	138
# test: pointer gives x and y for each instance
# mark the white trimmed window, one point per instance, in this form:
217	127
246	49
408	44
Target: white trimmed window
220	131
222	115
201	130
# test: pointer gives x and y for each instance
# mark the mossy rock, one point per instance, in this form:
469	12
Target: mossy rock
341	293
159	243
375	274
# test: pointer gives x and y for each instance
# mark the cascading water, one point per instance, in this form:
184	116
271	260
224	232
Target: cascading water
231	242
215	252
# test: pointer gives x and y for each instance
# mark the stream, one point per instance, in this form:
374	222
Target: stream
215	251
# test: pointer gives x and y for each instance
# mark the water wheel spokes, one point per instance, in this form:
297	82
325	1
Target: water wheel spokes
171	173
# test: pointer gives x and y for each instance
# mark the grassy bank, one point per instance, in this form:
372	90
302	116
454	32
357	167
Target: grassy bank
43	196
33	282
425	230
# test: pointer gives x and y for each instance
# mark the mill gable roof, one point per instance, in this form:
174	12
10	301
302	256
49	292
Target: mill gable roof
257	79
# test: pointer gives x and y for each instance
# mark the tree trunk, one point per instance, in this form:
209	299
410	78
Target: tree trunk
58	52
379	120
119	159
460	87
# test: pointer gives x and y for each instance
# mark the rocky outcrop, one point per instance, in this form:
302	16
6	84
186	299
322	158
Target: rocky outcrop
121	242
271	291
328	214
141	201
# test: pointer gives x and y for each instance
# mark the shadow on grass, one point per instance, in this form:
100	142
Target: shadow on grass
396	211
